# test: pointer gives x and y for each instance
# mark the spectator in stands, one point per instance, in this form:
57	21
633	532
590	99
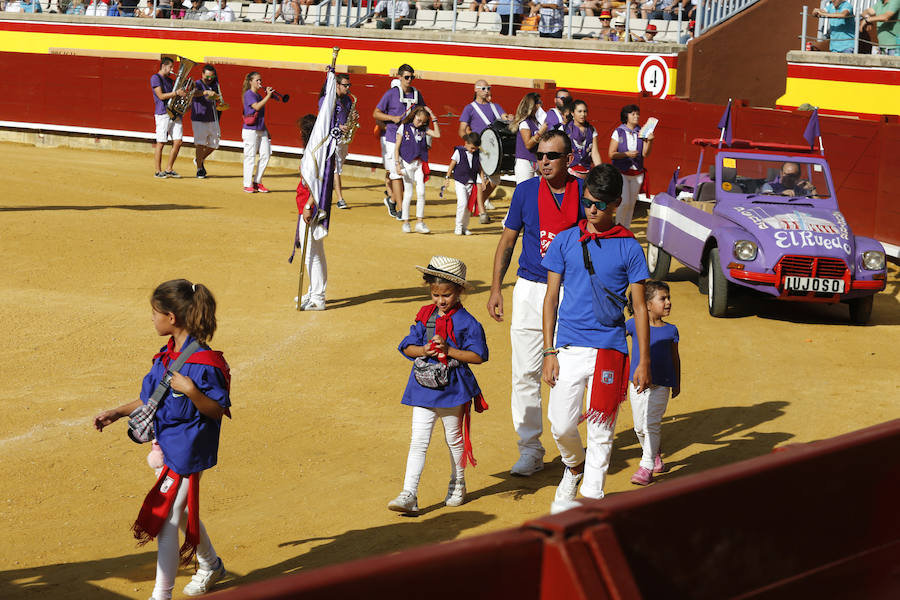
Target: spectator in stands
483	6
13	6
605	31
434	4
197	12
76	8
660	9
617	8
97	9
290	11
551	14
618	33
649	34
840	24
223	13
30	6
689	34
398	10
588	8
503	9
885	14
689	9
127	7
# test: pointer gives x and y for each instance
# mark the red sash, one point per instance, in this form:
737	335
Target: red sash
157	506
553	218
609	387
473	200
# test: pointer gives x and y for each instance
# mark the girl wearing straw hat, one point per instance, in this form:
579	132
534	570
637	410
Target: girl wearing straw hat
443	341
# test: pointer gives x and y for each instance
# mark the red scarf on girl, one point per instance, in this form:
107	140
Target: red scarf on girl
157	506
552	218
213	358
443	326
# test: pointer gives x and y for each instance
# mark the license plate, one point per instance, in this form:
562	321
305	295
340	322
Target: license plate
814	284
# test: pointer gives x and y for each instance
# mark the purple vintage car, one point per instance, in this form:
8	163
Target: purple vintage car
764	217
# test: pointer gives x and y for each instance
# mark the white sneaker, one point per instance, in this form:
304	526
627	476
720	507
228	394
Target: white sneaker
456	492
204	580
405	228
406	502
488	205
422	228
567	490
527	465
310	304
558	507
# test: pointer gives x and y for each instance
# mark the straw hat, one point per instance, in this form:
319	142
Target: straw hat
451	269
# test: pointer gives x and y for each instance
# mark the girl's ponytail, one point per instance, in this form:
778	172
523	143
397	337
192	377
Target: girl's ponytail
200	319
192	304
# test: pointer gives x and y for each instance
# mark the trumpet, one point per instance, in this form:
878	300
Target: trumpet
220	102
280	97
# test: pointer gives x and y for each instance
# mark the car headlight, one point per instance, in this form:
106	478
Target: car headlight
873	260
744	250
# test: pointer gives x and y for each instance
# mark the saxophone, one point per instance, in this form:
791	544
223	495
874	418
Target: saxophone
352	122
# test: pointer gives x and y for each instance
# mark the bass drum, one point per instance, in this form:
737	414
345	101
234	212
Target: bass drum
498	149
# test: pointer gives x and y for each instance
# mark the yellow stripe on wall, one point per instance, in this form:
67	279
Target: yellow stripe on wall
851	97
610	78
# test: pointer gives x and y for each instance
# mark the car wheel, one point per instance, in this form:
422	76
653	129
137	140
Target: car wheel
658	261
861	310
717	285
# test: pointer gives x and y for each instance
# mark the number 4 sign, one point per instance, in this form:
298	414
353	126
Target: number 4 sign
653	77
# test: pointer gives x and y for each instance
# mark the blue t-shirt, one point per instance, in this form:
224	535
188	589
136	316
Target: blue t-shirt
523	216
462	387
662	364
841	31
617	262
189	440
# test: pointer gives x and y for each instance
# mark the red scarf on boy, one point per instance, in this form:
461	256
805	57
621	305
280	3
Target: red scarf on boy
443	326
553	218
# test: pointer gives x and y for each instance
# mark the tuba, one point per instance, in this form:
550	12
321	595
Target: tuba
352	123
177	105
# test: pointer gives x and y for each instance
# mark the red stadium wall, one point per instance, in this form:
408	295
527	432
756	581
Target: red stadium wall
112	96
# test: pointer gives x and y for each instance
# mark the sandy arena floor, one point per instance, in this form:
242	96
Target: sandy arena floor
319	439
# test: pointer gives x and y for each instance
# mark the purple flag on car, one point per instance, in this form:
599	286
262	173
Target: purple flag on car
813	132
726	126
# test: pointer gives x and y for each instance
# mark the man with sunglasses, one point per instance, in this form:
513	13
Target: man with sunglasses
541	207
205	118
394	105
342	106
478	116
555	118
584	336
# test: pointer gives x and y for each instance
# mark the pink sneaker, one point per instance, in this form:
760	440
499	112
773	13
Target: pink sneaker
250	190
261	188
659	466
642	477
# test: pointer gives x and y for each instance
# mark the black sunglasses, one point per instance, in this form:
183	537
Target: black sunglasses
409	77
549	155
598	204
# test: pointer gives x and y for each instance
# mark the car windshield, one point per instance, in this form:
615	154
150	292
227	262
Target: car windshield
784	178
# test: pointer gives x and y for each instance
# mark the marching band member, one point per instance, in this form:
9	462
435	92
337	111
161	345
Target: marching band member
528	131
478	116
584	141
627	151
205	117
166	126
254	132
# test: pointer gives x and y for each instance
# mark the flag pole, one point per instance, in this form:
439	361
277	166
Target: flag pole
314	221
722	130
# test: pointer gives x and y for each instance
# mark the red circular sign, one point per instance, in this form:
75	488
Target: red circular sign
653	77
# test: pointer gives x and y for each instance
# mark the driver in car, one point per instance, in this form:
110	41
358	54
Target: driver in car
789	183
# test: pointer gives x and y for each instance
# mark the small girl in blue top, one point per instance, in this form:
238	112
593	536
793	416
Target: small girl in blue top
649	406
187	425
444	340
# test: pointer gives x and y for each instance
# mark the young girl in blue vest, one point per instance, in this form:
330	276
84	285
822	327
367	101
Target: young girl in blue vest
411	161
627	151
444	338
649	406
187	425
465	169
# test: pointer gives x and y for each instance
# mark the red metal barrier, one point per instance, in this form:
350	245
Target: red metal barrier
114	94
816	520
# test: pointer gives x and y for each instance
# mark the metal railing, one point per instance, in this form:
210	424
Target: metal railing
823	31
712	12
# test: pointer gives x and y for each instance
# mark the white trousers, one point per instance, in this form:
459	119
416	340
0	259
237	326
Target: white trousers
413	175
316	266
527	339
255	142
565	407
648	408
167	543
523	170
462	205
631	187
423	420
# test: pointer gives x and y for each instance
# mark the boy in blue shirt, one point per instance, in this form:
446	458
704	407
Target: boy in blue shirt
596	261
